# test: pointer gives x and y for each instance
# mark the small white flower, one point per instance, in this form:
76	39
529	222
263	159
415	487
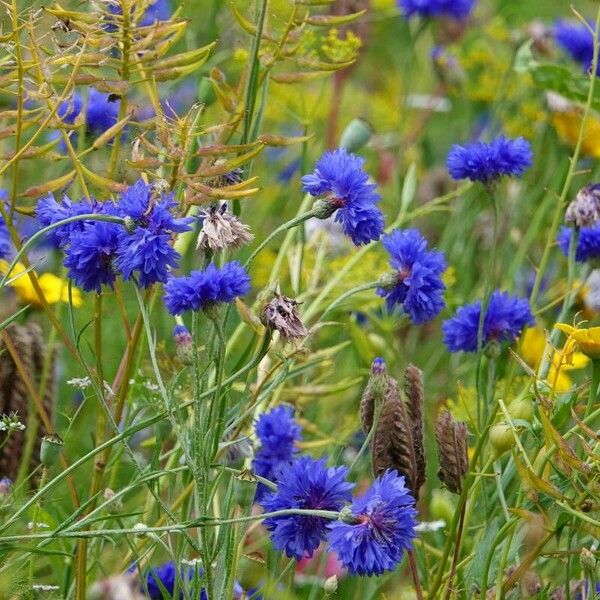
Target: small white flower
80	382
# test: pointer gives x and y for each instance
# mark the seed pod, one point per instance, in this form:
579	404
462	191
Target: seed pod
50	449
415	395
356	135
281	314
373	393
501	438
28	344
451	437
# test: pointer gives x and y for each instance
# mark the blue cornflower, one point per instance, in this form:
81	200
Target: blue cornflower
384	527
416	285
588	242
202	289
341	178
576	40
5	241
101	113
487	162
277	431
456	9
50	211
159	10
148	249
91	253
70	109
505	318
306	484
166	574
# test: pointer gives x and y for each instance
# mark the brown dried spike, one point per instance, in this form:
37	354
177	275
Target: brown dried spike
415	394
451	438
393	446
15	397
367	408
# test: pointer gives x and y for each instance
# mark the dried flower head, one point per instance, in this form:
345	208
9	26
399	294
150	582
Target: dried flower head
584	210
281	314
398	438
451	438
222	230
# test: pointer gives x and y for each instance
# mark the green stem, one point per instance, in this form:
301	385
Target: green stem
288	225
592	398
356	290
551	234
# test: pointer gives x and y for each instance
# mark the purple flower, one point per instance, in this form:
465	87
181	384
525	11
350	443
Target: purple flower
278	432
456	9
306	484
505	318
576	40
70	109
588	242
384	528
416	284
487	162
91	253
341	178
201	289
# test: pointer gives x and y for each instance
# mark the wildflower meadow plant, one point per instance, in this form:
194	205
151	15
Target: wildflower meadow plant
299	299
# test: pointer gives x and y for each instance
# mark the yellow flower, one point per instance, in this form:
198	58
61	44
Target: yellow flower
567	124
533	344
54	288
586	338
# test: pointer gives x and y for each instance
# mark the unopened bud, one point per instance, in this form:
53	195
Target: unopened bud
6	485
331	585
588	560
50	449
184	344
324	208
356	135
115	505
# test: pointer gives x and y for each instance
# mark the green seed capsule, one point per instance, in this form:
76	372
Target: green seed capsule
521	409
50	449
501	438
356	135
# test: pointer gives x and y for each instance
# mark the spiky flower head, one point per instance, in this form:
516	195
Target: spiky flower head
416	283
222	230
339	177
505	318
382	527
584	210
162	578
201	290
306	484
455	9
281	314
278	432
489	161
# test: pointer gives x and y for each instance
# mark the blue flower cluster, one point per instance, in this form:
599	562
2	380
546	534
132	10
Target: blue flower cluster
278	432
588	242
97	251
417	284
455	9
576	40
385	521
203	289
340	177
381	524
488	162
307	484
165	575
505	318
5	242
